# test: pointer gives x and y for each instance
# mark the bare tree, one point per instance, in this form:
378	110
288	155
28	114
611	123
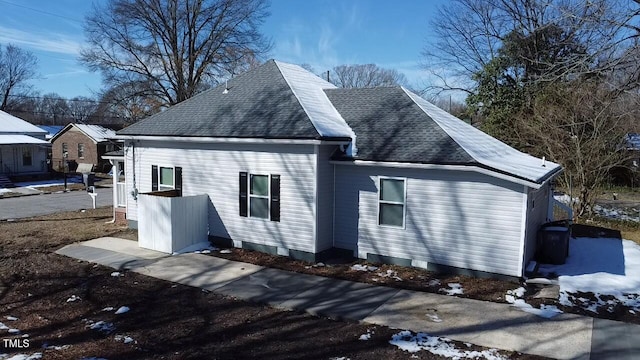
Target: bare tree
175	47
365	76
54	109
584	124
469	33
81	108
126	104
17	66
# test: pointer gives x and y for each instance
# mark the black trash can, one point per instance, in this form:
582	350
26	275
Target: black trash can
88	179
553	244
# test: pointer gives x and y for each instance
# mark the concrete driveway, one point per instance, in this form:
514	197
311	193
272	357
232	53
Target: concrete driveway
27	206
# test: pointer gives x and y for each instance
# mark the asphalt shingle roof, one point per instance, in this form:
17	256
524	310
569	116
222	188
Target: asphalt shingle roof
389	126
258	104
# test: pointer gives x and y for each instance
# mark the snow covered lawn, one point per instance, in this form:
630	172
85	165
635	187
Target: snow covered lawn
608	268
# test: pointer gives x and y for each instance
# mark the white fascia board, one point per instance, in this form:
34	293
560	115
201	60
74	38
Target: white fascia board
232	140
472	168
112	157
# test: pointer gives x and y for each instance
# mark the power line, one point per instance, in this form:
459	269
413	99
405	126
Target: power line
41	11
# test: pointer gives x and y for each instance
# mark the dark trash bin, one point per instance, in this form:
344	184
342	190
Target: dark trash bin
553	244
88	179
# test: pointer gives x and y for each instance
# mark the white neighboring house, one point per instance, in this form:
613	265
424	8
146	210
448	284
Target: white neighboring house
294	166
23	148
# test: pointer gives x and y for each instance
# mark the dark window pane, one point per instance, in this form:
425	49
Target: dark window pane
392	190
391	214
259	207
260	185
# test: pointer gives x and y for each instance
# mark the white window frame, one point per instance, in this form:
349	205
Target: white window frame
268	197
166	187
404	203
81	146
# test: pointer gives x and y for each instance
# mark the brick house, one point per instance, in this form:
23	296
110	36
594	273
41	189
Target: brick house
82	143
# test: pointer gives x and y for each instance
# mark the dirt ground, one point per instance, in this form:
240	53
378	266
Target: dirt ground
57	301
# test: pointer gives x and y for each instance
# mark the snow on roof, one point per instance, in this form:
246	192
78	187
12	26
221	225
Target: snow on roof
97	132
486	149
308	89
12	124
20	139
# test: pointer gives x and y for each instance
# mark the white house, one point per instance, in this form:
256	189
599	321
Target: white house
294	166
23	148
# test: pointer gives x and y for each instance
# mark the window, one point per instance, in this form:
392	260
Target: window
260	196
80	151
26	157
166	178
65	150
391	202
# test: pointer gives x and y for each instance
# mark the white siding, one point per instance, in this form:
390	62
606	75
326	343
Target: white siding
537	208
325	198
455	218
11	159
170	224
214	169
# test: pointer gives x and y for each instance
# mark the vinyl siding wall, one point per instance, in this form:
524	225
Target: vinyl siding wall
214	169
325	198
455	218
11	159
537	211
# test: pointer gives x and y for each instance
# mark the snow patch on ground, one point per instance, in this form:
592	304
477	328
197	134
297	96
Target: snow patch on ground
392	274
631	214
108	308
608	268
102	326
116	274
73	298
407	341
33	356
200	248
124	338
225	251
11	318
55	347
359	267
122	310
454	289
366	336
514	297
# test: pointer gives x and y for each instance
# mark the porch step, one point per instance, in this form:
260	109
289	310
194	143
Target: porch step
5	182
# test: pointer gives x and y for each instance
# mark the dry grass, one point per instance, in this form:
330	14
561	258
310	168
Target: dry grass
166	321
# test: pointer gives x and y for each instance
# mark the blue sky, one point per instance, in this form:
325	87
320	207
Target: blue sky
322	33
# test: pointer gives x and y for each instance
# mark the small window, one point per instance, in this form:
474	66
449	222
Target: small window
27	159
259	196
166	178
391	202
65	150
80	151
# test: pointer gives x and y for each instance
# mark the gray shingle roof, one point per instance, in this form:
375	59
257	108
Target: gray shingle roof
391	127
259	104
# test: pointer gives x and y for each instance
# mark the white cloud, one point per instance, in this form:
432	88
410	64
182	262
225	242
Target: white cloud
50	42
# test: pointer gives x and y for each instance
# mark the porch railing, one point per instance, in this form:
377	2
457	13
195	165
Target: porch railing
121	190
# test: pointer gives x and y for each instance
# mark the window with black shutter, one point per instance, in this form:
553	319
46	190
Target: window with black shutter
275	197
178	180
243	194
154	178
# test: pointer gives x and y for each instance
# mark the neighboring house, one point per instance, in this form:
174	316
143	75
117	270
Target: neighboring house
295	166
82	143
23	148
